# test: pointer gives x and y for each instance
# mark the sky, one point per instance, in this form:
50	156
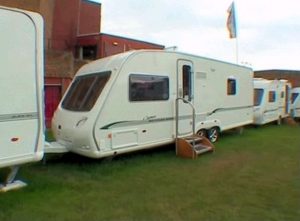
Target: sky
268	31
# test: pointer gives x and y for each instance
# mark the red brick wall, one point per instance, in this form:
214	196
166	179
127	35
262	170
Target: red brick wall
292	76
65	24
90	16
111	45
72	18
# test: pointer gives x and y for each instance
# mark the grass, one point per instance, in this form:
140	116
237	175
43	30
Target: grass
253	176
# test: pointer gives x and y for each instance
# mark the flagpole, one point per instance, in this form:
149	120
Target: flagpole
237	34
237	50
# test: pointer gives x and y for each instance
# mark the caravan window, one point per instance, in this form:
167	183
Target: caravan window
187	82
272	96
258	95
148	87
294	97
231	86
84	91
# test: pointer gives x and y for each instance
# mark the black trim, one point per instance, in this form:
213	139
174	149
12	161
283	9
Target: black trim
92	2
112	124
18	116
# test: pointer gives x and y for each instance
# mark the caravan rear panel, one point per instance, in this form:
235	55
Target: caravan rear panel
21	85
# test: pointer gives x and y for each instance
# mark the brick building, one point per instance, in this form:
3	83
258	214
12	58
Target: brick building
101	45
292	76
72	38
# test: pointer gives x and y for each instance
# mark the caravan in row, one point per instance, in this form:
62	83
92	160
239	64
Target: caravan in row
21	84
272	100
142	99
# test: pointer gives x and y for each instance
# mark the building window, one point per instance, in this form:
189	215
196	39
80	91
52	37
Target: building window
231	86
87	52
148	88
272	96
85	91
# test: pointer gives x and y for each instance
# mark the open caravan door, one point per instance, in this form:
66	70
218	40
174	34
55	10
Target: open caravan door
21	92
188	143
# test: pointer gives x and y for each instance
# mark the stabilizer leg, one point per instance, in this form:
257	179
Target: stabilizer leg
9	182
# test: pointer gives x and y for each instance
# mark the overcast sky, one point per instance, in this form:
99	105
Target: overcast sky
268	30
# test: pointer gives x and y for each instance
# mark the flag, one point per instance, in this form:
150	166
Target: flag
231	22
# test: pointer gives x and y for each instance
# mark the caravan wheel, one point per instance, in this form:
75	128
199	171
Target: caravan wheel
202	133
213	134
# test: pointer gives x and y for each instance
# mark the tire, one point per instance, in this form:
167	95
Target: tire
202	133
213	134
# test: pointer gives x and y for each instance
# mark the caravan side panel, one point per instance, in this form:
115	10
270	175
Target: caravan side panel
21	85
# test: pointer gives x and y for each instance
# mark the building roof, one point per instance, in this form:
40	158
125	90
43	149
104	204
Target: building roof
122	38
279	71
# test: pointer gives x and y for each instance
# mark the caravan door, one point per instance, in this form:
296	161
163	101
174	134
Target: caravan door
21	87
287	99
185	82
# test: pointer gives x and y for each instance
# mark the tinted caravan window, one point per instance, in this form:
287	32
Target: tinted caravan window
231	86
294	96
85	91
148	88
258	95
272	96
187	81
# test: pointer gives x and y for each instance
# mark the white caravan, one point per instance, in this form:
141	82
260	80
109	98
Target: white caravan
296	102
271	100
21	85
142	99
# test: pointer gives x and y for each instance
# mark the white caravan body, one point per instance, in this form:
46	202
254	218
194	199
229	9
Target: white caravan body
21	85
127	102
271	101
295	102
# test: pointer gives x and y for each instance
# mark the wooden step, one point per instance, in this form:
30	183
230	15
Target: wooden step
192	146
201	148
194	140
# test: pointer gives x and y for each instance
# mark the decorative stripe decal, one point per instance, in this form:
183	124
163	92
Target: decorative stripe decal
227	109
139	122
18	116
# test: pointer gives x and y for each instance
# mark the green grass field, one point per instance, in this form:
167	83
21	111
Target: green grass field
253	176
